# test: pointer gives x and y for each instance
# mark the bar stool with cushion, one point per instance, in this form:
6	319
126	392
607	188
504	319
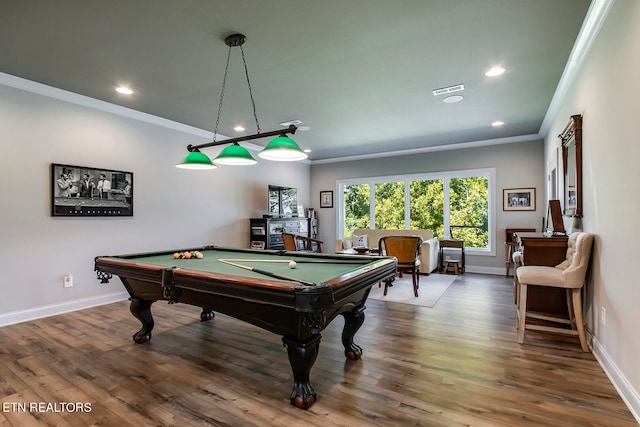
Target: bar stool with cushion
510	246
406	249
570	274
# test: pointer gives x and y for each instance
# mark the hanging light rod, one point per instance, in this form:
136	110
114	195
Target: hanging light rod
281	148
290	130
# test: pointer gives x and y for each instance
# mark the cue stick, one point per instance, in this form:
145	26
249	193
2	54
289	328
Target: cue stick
268	273
302	261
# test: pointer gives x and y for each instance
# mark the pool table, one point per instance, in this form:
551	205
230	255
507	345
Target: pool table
259	287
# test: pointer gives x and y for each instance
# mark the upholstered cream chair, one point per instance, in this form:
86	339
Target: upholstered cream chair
570	274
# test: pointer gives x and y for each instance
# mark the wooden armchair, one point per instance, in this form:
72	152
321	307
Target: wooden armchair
406	249
289	241
308	244
293	242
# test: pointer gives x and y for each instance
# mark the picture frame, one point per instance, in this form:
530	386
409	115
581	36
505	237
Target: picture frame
83	191
571	198
519	199
326	199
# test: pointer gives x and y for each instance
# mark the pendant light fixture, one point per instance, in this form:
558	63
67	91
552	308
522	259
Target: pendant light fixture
281	148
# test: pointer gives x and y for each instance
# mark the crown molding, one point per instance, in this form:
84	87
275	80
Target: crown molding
447	147
96	104
596	15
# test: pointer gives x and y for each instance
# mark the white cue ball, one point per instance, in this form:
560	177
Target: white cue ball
292	264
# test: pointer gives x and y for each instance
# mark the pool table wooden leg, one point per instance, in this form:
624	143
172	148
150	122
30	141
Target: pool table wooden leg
302	356
353	320
141	309
207	314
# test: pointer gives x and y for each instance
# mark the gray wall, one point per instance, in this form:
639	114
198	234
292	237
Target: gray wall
606	93
174	208
517	165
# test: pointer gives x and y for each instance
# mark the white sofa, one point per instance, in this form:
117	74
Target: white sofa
428	250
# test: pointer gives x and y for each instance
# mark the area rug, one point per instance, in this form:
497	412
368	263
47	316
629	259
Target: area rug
432	287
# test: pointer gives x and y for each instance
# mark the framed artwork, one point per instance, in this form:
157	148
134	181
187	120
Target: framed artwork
326	199
571	197
519	199
81	191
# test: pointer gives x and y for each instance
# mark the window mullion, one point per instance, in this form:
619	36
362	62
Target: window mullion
372	205
446	211
407	206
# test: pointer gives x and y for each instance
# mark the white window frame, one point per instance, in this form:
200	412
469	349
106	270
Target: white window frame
446	176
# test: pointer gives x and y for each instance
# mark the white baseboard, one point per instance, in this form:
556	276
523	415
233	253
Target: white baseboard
65	307
497	271
626	391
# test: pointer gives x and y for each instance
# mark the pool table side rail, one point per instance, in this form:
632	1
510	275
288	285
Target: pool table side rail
153	273
363	259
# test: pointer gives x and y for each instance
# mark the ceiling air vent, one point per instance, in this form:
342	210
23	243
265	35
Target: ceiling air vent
446	90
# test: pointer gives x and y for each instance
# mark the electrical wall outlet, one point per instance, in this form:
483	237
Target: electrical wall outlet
67	281
603	315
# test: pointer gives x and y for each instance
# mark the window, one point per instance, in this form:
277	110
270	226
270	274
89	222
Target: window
456	204
427	205
389	205
355	203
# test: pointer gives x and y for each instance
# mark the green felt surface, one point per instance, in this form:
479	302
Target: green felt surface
320	272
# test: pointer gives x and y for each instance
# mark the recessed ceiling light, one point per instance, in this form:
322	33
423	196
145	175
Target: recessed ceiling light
497	123
495	71
452	99
124	90
238	128
307	150
304	127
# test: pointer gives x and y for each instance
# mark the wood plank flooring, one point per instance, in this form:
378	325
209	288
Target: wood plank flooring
457	364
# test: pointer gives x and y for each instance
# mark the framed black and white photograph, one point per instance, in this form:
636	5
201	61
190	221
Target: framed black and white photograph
571	197
519	199
86	191
326	199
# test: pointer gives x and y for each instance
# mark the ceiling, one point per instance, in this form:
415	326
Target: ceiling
359	73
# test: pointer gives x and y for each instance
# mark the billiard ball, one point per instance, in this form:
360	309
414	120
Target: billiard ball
176	255
292	264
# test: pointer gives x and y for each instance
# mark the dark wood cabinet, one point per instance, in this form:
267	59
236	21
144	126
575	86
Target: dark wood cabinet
267	232
549	251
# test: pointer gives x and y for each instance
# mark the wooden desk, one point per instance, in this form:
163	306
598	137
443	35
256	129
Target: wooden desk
550	251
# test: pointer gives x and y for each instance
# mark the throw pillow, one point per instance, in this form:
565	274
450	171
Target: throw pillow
360	240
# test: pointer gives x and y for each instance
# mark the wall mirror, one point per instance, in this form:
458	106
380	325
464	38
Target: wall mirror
571	138
283	201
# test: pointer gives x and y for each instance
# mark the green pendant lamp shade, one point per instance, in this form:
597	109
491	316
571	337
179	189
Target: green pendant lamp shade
196	160
235	155
283	149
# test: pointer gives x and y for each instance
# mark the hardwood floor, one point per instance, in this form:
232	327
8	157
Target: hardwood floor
457	364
